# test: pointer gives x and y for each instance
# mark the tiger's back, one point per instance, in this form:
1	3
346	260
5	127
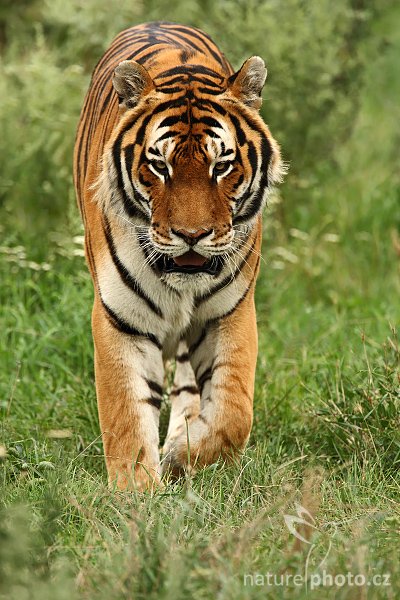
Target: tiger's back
173	165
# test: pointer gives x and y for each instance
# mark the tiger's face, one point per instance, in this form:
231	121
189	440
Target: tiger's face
193	169
192	177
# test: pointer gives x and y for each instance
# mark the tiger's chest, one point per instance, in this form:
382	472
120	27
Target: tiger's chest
132	288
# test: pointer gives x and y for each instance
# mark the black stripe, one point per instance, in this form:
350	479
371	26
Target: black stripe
195	346
220	365
202	79
241	176
203	103
136	194
155	151
239	201
188	70
202	380
156	402
227	314
208	121
252	123
106	101
227	280
241	137
131	209
155	387
208	83
176	36
140	198
125	327
145	182
145	57
128	152
199	35
169	82
142	130
185	55
256	201
128	279
183	357
92	264
169	104
266	152
188	389
173	120
205	90
167	134
211	133
252	156
171	90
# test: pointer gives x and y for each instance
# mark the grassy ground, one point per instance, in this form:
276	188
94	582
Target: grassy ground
326	429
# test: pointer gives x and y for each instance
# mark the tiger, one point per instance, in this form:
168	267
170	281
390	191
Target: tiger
173	165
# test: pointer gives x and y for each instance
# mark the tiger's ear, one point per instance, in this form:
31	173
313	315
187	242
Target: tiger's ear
131	81
247	83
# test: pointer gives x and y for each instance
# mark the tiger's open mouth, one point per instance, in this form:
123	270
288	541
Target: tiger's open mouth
190	262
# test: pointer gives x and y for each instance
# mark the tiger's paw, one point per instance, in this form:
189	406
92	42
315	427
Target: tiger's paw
135	479
182	449
194	446
198	445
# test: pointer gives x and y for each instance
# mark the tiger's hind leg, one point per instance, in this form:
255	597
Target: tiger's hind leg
185	398
224	359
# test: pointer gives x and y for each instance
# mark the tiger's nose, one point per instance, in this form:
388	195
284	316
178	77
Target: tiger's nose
192	236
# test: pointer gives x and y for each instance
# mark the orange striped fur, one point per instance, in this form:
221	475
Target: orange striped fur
173	165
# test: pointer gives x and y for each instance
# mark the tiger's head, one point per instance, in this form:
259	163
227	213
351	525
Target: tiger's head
191	161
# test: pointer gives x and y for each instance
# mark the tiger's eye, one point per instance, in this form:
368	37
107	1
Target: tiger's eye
220	167
160	167
159	164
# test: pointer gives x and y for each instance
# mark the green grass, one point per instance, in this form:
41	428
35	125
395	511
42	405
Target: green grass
326	429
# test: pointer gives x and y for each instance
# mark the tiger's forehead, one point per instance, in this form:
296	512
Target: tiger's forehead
212	136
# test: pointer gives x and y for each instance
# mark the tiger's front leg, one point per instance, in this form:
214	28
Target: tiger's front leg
129	375
224	361
185	397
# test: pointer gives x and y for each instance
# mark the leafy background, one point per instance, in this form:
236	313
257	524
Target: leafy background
326	428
